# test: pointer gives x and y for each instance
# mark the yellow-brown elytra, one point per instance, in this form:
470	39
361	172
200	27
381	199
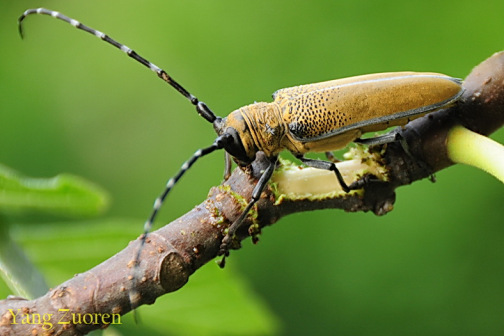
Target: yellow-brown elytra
319	117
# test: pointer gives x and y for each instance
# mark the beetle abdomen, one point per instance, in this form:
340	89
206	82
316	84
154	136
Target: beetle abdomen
366	103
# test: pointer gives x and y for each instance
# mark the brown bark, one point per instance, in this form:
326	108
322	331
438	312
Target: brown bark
175	251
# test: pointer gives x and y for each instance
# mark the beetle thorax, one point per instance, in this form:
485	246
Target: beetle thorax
265	126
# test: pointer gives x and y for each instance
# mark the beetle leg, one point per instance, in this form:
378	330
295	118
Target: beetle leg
365	180
256	194
380	139
227	165
405	146
330	156
392	136
320	164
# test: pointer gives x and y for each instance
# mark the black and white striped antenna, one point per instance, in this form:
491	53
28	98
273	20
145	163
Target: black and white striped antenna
201	107
220	142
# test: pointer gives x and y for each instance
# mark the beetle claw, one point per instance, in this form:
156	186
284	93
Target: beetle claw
363	181
222	262
224	250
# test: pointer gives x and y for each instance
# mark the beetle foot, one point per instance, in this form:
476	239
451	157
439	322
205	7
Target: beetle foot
224	252
222	262
228	242
363	181
330	156
224	246
254	230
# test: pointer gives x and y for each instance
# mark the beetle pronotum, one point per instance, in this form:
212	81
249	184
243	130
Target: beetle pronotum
319	117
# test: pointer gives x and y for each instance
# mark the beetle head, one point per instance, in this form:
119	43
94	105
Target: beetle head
242	146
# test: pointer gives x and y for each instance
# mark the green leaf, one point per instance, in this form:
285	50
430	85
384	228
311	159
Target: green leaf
63	194
213	302
63	248
22	277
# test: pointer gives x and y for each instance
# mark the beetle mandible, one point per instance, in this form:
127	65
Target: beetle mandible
319	117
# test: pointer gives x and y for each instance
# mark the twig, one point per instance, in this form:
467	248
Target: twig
177	250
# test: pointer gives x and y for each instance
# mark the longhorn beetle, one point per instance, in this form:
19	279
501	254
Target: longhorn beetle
319	117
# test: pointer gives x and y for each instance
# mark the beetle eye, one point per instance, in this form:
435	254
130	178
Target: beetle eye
235	147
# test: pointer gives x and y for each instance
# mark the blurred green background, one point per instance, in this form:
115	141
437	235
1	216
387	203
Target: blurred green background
70	103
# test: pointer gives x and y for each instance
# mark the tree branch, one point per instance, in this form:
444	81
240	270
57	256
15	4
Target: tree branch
177	250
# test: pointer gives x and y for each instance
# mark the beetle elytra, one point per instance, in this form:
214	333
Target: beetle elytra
319	117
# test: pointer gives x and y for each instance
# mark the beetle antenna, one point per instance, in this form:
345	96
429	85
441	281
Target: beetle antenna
219	143
201	107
